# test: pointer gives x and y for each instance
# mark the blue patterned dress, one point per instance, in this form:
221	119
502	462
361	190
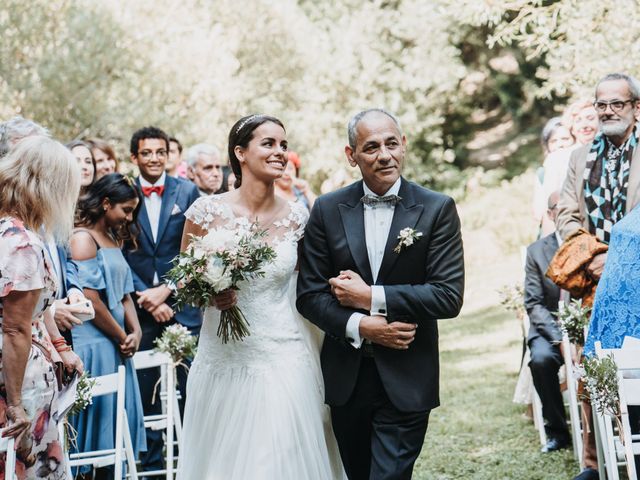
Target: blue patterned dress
616	309
109	274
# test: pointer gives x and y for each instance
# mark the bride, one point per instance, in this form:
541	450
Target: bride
255	408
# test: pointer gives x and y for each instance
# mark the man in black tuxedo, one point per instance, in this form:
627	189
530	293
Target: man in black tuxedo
378	299
541	297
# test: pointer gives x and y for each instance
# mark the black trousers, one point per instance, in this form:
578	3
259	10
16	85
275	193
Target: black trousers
153	458
546	360
376	440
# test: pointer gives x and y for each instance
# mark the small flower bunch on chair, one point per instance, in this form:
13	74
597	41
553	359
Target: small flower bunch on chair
573	318
178	343
216	262
84	397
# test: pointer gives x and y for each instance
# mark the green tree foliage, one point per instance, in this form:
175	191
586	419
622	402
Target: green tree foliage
193	67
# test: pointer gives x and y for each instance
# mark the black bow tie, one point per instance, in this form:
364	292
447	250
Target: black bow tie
376	201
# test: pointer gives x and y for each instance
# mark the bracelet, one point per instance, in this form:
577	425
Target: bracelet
63	348
59	342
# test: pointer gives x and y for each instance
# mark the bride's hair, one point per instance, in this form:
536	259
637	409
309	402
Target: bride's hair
241	134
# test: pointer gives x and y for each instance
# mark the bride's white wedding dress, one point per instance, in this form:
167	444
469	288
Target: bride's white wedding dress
255	408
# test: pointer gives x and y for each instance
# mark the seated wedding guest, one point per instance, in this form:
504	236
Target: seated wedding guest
541	297
105	217
82	152
290	187
161	220
555	136
16	129
39	185
104	156
175	167
601	188
204	168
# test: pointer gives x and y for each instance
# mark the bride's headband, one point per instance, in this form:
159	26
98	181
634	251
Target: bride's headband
247	120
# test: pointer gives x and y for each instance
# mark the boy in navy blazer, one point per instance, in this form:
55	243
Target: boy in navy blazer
161	221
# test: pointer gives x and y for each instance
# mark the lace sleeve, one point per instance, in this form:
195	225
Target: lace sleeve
298	217
205	211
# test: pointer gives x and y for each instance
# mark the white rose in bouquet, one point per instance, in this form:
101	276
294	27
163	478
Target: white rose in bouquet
219	240
217	275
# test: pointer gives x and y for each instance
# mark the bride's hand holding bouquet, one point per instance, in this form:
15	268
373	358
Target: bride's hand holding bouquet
210	270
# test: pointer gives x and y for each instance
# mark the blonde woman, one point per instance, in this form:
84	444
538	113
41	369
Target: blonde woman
39	185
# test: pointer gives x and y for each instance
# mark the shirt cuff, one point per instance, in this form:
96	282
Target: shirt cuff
352	332
378	301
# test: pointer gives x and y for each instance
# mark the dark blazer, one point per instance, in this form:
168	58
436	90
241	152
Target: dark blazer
541	295
423	283
151	257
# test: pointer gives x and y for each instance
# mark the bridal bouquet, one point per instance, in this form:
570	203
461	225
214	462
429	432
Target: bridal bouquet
218	261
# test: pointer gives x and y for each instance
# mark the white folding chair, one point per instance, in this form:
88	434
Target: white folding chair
169	419
110	385
8	445
629	391
627	360
572	398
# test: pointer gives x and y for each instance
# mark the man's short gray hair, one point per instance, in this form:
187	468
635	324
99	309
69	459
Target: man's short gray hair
17	128
353	123
194	152
634	85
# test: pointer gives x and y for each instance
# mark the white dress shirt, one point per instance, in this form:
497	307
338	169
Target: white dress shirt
377	223
154	204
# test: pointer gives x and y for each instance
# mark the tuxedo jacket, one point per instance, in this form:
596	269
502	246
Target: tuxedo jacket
422	283
572	209
156	256
541	295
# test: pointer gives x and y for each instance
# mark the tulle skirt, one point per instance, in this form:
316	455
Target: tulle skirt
257	424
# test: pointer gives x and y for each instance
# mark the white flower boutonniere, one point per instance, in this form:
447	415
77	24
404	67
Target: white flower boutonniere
408	236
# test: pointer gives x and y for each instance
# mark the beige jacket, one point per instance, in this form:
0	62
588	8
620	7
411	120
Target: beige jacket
572	211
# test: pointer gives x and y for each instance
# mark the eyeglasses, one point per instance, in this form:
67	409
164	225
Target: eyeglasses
147	154
616	105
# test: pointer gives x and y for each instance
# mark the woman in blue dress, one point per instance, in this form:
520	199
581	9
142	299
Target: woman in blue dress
616	308
104	219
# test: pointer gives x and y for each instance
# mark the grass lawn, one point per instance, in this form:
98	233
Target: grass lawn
478	433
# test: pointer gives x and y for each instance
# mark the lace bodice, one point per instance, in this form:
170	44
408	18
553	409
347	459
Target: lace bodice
265	301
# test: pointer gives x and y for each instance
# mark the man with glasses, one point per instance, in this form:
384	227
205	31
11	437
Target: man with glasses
602	186
161	221
541	297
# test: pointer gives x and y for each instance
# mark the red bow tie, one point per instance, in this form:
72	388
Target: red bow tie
147	191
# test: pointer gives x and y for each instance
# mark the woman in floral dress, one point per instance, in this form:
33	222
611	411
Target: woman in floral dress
39	183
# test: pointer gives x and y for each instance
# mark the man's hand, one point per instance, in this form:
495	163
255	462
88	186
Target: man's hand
152	298
351	290
596	266
64	316
162	313
225	300
396	335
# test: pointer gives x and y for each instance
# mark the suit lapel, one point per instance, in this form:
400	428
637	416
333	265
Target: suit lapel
352	215
143	217
406	215
169	196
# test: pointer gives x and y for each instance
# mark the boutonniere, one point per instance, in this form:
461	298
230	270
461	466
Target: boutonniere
408	236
